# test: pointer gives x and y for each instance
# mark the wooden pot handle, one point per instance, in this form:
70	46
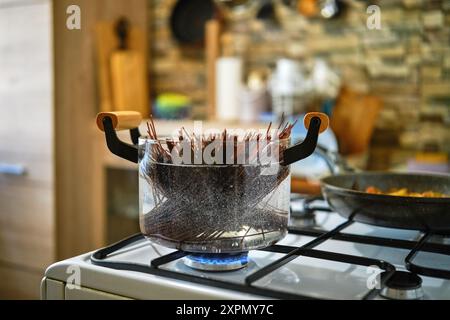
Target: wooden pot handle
324	121
122	120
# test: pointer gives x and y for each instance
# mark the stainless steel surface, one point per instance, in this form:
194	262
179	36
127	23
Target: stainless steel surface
403	285
329	9
398	294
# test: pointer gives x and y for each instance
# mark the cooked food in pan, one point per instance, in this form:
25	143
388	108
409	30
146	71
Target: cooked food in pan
404	192
417	213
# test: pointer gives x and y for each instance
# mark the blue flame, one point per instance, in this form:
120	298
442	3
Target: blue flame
219	258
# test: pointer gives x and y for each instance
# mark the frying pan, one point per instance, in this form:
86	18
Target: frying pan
188	19
345	194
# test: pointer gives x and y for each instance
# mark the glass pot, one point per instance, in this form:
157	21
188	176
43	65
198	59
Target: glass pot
210	208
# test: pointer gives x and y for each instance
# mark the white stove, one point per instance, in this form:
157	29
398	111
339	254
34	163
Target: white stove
324	256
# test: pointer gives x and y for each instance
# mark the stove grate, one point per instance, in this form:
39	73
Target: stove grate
99	258
426	271
291	253
415	246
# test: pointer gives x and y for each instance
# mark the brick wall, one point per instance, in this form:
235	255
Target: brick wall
407	63
174	68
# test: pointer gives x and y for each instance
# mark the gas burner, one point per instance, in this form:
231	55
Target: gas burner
303	211
216	261
403	285
303	220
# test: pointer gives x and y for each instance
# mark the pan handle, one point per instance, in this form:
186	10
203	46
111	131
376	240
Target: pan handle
109	122
335	162
316	123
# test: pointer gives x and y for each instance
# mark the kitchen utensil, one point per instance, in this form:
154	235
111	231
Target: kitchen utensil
308	8
346	194
107	43
188	20
351	109
307	172
239	10
212	53
331	8
128	74
212	208
266	12
326	9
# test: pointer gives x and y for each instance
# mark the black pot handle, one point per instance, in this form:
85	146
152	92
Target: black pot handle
316	123
109	122
135	134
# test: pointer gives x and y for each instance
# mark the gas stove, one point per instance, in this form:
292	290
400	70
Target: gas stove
324	256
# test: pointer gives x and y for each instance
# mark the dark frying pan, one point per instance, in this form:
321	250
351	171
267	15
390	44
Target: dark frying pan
345	193
188	20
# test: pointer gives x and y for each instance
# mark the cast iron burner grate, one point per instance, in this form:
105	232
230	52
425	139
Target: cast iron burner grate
422	244
216	261
290	253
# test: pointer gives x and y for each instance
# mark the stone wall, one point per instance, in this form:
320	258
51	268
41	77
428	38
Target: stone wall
406	63
174	68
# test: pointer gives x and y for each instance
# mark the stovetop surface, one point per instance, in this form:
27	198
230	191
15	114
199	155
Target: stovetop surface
304	276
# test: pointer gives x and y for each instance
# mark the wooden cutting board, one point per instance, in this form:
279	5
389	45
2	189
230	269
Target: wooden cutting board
212	52
129	90
353	120
122	73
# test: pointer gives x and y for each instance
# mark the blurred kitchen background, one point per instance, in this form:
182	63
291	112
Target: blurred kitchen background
235	63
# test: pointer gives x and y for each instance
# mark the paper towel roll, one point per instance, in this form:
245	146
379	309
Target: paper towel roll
228	87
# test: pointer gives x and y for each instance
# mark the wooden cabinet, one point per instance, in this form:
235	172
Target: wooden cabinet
48	103
19	283
79	222
26	136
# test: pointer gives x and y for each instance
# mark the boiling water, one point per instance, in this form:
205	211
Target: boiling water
196	217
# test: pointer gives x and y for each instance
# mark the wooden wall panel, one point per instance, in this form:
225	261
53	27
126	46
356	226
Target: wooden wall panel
18	283
76	104
27	238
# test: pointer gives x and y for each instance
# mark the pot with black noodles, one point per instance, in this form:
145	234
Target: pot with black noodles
225	191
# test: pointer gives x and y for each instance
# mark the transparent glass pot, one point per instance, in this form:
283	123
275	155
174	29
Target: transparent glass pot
210	208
